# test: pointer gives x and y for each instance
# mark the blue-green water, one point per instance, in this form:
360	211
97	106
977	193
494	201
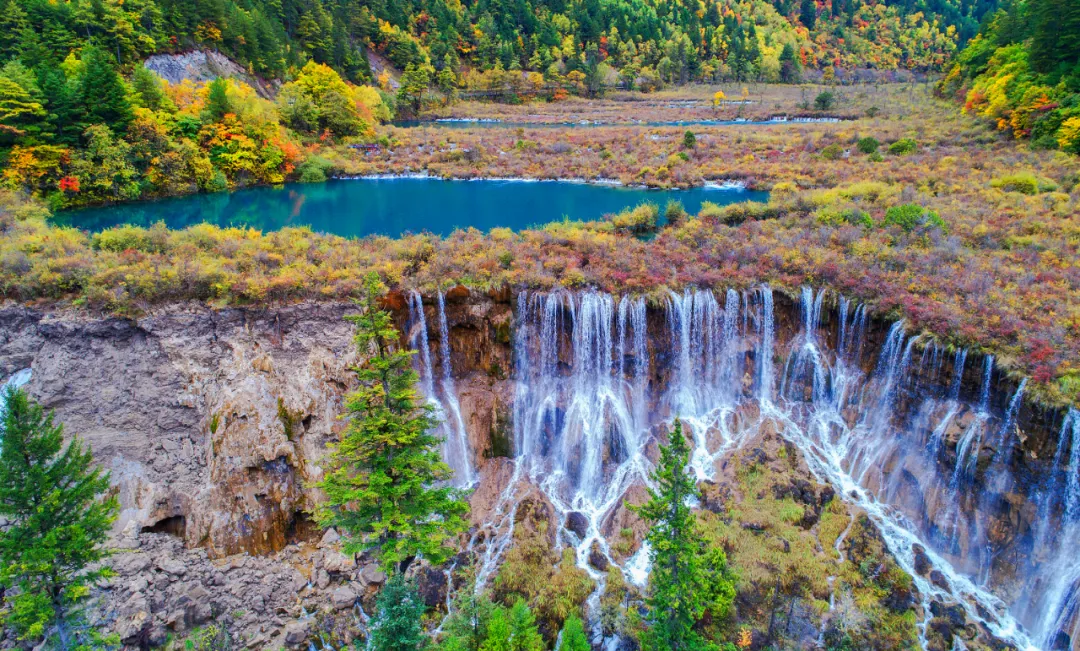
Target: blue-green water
359	207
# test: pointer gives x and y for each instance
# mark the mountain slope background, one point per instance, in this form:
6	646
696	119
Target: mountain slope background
680	40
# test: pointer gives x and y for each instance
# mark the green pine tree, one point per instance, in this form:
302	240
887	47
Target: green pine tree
513	630
52	499
147	86
381	478
217	101
573	636
398	623
687	578
467	626
102	91
524	633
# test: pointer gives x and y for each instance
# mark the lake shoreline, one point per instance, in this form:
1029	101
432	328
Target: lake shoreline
396	204
709	184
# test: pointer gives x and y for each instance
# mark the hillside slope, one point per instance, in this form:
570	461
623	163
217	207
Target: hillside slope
678	39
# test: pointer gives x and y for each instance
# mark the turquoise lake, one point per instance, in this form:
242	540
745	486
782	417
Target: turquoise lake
360	207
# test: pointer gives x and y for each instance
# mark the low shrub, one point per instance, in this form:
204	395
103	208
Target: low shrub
830	216
637	221
314	170
832	152
674	213
868	145
825	101
910	216
1024	183
903	147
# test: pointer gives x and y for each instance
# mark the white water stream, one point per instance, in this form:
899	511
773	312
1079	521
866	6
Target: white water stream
588	397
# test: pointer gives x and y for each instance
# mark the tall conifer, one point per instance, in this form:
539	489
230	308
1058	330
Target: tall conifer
385	481
52	499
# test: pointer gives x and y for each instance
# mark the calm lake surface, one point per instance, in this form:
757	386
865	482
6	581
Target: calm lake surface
359	207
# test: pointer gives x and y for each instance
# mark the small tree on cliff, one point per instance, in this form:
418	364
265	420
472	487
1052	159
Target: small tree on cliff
398	622
382	478
51	497
688	578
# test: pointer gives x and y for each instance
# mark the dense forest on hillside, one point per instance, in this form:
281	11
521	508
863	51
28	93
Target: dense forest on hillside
677	39
1023	72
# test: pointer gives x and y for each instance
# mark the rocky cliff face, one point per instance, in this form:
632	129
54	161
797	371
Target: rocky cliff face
213	424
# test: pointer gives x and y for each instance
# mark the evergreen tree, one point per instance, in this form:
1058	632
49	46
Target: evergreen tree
51	498
66	115
808	13
20	113
381	478
398	624
790	69
102	92
513	630
524	633
468	623
573	636
148	86
217	100
413	84
687	579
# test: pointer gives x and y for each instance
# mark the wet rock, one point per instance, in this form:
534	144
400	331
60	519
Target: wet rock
827	494
432	585
1061	642
953	613
898	600
939	580
943	628
756	456
922	561
457	293
578	523
597	558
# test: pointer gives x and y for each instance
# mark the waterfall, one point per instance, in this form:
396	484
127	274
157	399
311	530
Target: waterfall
984	391
592	385
1061	605
767	335
457	442
958	374
419	341
444	401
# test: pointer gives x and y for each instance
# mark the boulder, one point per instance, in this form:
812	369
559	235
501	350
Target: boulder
597	558
578	523
372	575
343	598
172	567
329	538
939	580
922	561
296	632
